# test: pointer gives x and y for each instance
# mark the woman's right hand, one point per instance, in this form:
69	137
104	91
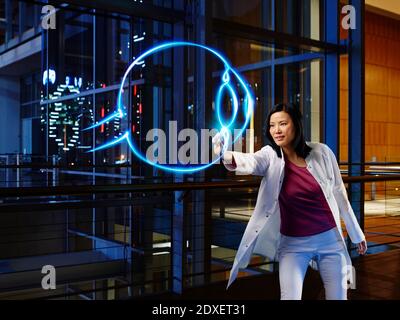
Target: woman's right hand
220	150
218	144
362	247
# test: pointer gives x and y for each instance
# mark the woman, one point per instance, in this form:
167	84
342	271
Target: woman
301	199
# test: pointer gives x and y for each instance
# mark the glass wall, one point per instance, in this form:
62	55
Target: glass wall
301	18
77	78
276	75
86	59
76	85
2	25
17	17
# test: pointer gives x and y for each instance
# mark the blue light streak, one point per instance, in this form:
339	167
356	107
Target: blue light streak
225	127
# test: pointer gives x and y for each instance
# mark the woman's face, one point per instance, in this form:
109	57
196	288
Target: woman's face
282	129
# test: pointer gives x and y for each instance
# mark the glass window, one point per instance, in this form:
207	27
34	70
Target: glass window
113	50
66	119
277	75
296	17
256	13
105	105
70	52
2	23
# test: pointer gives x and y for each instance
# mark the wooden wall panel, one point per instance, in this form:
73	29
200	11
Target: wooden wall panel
393	108
343	131
344	79
373	111
393	53
393	132
376	79
344	152
382	90
394	82
373	52
393	151
344	105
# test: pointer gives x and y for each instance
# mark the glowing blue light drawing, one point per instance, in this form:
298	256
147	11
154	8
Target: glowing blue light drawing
226	125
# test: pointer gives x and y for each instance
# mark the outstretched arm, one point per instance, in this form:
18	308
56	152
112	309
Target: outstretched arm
244	163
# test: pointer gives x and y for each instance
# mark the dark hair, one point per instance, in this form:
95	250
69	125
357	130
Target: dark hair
299	143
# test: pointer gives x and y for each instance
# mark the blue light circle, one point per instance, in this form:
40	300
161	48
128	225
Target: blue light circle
225	86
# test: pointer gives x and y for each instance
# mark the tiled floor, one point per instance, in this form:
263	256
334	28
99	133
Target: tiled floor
383	230
378	277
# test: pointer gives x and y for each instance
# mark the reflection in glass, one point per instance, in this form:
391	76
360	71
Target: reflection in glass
295	17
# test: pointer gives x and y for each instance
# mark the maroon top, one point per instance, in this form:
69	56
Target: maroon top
304	210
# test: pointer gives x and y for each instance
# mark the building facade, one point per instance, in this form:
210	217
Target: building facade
61	70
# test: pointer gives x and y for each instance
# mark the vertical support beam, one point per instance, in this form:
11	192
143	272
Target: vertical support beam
45	66
331	105
356	110
143	223
94	210
178	246
306	98
273	27
290	26
94	63
18	170
268	75
201	222
130	157
21	17
305	88
36	16
95	216
9	22
315	66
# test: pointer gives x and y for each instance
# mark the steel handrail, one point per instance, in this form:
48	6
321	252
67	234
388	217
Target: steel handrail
178	186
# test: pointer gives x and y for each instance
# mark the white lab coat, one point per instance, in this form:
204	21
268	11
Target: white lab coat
262	234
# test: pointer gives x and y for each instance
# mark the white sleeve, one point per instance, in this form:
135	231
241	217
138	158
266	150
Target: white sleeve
250	163
345	209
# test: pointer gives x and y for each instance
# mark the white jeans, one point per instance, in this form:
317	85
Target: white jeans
327	250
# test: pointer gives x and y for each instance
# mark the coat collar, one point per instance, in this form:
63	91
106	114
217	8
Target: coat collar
307	159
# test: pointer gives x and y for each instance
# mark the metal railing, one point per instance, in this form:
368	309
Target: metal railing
131	230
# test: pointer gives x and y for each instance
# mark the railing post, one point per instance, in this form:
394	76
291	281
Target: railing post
357	110
331	77
179	219
7	171
373	184
55	173
21	18
18	173
9	23
200	227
